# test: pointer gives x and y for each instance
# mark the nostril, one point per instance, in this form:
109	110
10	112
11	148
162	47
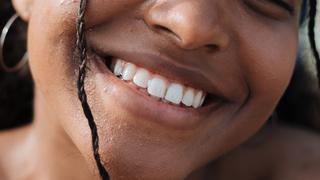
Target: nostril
167	31
163	28
212	47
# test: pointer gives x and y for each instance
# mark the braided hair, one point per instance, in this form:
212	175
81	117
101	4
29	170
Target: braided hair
82	47
312	38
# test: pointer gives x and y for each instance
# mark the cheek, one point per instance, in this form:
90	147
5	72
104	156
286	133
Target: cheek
269	65
51	45
52	36
272	73
101	12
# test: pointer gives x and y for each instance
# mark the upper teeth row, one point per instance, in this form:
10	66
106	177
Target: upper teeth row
159	86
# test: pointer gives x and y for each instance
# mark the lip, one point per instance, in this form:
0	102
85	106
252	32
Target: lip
165	66
140	105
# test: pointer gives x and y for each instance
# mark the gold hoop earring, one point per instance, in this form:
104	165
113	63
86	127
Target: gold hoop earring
3	36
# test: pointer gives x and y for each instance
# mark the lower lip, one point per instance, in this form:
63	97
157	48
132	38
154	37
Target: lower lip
140	105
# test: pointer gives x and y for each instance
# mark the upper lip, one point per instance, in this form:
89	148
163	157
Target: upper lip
162	65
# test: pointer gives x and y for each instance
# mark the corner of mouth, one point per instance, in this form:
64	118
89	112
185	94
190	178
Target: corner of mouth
207	102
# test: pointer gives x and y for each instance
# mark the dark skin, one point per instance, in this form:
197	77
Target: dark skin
242	52
277	152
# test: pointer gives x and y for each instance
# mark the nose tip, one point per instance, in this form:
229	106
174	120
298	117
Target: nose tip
192	25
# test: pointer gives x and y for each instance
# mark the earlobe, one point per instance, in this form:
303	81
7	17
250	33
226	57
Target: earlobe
23	8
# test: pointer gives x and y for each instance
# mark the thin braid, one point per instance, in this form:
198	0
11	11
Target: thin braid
82	47
312	38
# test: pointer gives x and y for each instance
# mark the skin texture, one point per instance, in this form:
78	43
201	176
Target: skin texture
244	51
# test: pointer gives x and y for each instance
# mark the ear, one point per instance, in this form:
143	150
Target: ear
23	8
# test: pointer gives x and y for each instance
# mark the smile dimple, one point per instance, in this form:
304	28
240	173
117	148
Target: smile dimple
157	86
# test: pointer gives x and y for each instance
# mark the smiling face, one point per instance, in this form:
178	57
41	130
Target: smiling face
236	56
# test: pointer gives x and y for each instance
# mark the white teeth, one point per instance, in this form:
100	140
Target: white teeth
202	100
141	78
129	71
188	97
157	87
118	67
174	93
197	99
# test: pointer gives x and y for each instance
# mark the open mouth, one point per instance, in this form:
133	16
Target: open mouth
136	84
157	86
